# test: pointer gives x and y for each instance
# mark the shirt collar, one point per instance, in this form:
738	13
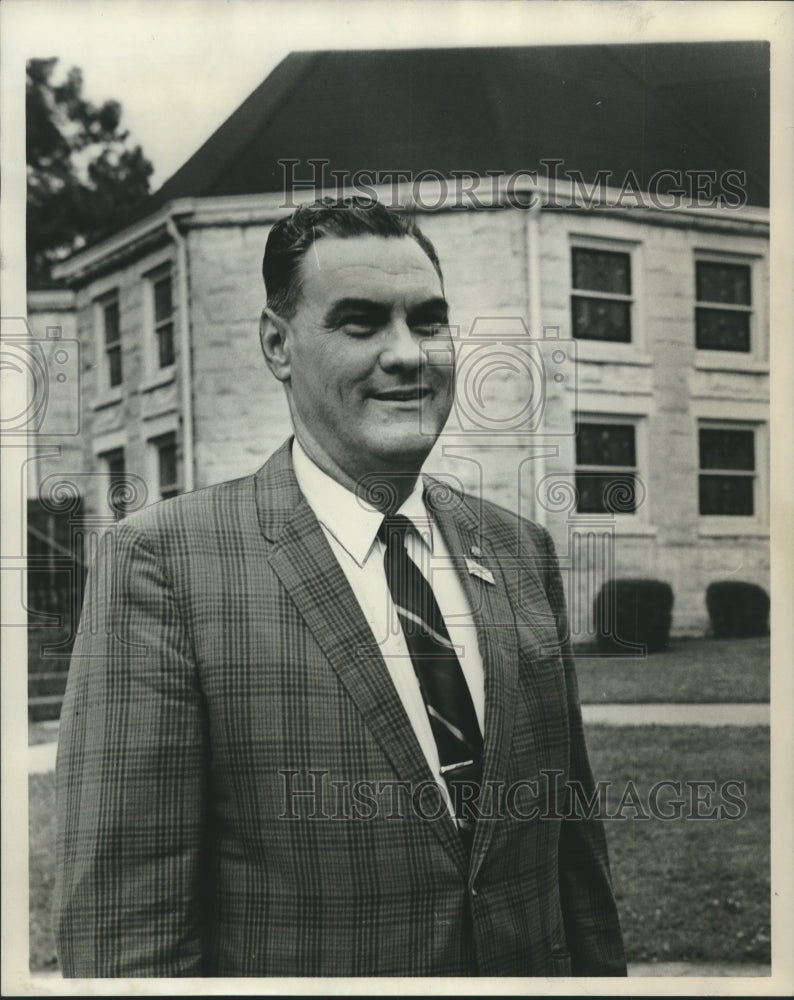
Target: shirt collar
353	522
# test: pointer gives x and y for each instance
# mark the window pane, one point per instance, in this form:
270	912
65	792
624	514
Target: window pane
605	444
167	453
167	466
718	282
114	365
163	306
726	495
601	271
111	321
727	449
721	330
601	319
605	494
165	344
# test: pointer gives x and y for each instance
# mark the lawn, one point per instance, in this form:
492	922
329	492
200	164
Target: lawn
688	890
690	670
41	826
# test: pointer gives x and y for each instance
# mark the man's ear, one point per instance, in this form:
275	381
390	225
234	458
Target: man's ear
274	336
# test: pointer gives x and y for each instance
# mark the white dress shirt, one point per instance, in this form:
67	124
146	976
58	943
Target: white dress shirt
351	527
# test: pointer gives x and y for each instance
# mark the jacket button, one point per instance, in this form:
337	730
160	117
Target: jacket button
473	890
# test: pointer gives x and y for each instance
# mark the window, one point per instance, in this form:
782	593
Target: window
163	316
167	465
726	484
724	306
601	299
117	488
111	334
606	468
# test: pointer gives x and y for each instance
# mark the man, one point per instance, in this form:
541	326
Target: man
275	675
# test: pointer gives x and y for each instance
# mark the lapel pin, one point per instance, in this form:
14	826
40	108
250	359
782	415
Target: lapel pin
480	571
476	550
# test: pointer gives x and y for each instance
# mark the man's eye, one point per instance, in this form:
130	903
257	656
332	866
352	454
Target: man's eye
358	327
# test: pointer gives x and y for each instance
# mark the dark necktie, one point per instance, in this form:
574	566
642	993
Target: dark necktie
441	681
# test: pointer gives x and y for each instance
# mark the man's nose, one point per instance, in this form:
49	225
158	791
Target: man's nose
402	348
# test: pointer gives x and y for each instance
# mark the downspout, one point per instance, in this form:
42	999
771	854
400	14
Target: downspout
185	370
538	462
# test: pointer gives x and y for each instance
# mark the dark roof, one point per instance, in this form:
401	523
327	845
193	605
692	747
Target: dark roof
644	108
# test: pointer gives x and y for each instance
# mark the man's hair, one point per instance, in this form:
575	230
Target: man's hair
290	238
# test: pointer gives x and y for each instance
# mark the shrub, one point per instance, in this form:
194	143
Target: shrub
737	609
631	611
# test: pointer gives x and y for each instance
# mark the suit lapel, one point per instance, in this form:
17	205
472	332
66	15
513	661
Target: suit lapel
309	571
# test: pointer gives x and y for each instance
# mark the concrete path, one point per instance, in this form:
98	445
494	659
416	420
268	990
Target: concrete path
700	970
752	714
41	758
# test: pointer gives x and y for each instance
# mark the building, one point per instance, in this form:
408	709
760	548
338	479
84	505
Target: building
601	216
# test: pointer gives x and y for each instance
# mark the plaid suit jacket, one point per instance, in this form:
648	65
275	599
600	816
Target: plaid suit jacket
240	792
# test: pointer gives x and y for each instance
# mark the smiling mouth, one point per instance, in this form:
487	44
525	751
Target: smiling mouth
406	395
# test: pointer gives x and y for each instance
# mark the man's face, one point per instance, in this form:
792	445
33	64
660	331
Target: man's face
367	384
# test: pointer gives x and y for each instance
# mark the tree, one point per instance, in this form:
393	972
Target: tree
84	178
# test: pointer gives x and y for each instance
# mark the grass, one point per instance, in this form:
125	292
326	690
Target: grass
41	825
687	890
691	670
